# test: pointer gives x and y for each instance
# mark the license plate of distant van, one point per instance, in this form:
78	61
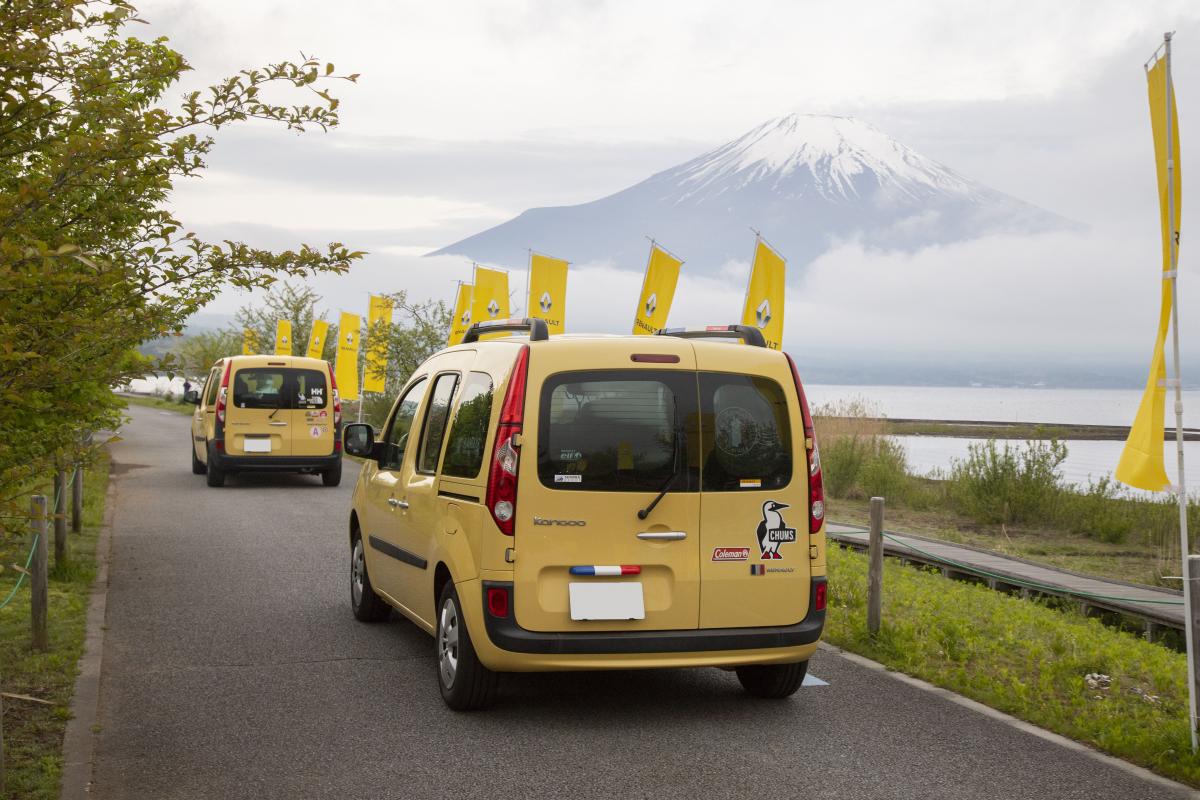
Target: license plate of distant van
256	445
606	601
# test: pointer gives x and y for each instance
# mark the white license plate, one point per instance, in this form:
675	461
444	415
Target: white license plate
256	445
606	601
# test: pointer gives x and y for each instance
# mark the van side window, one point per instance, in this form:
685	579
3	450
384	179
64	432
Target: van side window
396	441
747	439
214	379
435	422
468	432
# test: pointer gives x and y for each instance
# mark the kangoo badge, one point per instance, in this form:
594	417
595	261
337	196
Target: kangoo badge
773	531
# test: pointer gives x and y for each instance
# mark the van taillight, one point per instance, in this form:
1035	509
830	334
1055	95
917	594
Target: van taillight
506	453
821	592
816	483
337	400
223	394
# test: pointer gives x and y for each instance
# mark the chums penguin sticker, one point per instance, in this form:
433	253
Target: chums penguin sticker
773	531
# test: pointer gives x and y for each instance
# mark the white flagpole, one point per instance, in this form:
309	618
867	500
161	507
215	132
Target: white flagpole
1181	487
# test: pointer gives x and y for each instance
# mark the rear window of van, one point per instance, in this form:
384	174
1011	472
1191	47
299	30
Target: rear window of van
279	387
634	431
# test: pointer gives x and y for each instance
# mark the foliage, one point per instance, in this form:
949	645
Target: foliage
295	303
1021	657
91	261
418	330
197	353
857	459
1006	483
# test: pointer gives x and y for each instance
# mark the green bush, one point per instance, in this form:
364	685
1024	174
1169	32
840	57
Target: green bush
1008	483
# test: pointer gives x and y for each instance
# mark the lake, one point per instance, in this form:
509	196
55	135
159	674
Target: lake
1086	459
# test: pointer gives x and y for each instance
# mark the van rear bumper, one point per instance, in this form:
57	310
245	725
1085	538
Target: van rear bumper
506	634
277	463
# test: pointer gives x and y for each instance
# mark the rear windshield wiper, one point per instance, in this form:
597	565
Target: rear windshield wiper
676	467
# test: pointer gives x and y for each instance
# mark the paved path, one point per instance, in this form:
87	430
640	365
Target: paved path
1161	606
233	669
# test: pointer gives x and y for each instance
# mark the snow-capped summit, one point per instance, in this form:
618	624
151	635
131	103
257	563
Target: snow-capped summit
802	179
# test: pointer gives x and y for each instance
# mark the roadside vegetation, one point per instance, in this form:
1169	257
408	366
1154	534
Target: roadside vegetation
33	728
1004	496
163	402
1064	672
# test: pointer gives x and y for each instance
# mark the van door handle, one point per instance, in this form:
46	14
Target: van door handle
394	503
662	536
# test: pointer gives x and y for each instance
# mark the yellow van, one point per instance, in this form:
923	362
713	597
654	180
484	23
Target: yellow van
267	413
596	502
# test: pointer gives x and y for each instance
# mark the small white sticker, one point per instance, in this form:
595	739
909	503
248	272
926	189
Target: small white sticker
750	483
568	479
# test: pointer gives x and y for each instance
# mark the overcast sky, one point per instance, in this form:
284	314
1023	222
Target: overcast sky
468	113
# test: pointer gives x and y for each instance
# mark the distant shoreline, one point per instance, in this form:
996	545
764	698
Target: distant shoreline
990	429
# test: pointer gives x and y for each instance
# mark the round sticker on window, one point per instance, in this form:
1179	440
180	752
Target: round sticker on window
737	432
315	431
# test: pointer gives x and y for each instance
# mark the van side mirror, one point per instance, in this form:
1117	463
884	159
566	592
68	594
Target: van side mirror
192	396
358	439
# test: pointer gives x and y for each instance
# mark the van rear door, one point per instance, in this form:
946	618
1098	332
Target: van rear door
609	440
258	417
310	419
754	557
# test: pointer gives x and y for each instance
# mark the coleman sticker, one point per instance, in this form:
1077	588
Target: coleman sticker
730	553
773	531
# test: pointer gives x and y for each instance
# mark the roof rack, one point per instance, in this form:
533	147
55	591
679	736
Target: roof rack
747	333
538	332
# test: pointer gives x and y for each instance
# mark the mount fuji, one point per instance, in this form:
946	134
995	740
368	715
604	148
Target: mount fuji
805	181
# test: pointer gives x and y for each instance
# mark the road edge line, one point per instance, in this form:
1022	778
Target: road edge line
79	740
1014	722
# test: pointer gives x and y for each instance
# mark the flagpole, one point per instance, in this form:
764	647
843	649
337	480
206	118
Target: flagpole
1181	487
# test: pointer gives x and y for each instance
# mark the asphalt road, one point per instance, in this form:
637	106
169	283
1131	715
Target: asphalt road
234	669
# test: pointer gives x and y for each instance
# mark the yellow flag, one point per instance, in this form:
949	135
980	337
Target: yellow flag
379	319
548	290
248	342
462	315
1141	464
283	338
316	338
764	294
346	367
489	298
658	290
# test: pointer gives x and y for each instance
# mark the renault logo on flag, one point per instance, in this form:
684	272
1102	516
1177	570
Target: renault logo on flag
493	308
762	315
349	339
545	303
651	304
466	317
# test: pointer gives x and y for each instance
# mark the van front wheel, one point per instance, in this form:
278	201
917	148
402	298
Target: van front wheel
466	684
773	681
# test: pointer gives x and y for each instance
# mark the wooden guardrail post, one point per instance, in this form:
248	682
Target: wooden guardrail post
60	516
1193	575
875	567
77	500
39	573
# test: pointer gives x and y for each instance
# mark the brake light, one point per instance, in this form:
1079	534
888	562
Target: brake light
497	601
816	482
223	394
337	401
820	590
506	453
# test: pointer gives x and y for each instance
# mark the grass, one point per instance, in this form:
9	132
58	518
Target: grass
1021	657
159	402
33	732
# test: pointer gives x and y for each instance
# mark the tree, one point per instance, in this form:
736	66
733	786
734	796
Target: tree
197	353
92	262
418	330
295	303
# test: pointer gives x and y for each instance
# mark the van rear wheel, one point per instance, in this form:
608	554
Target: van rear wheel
198	467
332	476
773	681
466	684
216	475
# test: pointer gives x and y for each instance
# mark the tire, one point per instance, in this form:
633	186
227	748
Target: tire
773	681
198	467
333	475
366	605
216	475
466	684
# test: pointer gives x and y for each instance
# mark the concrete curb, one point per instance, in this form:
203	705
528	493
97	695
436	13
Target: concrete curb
79	741
1178	789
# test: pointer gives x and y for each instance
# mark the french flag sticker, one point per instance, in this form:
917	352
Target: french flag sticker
758	569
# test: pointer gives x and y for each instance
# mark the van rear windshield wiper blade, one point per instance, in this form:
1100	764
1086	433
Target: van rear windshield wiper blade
676	468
